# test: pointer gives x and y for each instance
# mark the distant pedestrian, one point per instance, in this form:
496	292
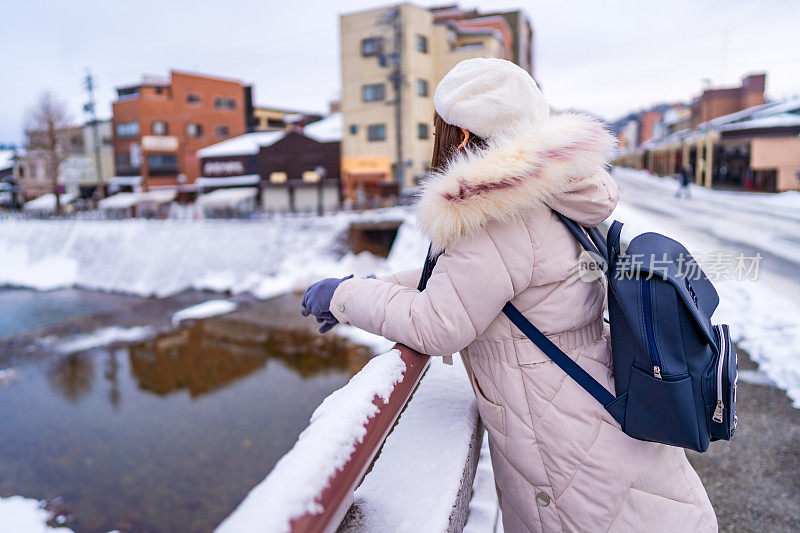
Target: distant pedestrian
685	177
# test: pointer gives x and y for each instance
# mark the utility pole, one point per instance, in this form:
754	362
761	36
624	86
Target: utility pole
393	19
90	108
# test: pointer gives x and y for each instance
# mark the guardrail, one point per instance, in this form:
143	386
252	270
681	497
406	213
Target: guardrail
337	497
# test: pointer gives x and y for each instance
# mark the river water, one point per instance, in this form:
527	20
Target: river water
164	434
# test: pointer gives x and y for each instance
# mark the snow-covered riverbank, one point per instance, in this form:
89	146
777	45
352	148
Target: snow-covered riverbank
162	257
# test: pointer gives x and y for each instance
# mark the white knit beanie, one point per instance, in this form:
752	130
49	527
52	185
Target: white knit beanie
489	97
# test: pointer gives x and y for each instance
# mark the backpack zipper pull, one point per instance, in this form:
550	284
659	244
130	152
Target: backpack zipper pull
657	371
718	412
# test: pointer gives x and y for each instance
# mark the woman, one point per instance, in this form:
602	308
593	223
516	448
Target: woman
502	166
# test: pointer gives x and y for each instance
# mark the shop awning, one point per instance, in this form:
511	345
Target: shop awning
226	198
122	200
228	181
159	196
125	181
47	202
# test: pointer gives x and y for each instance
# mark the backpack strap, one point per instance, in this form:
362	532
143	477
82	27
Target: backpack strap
562	360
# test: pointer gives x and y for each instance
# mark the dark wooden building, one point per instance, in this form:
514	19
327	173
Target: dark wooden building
293	170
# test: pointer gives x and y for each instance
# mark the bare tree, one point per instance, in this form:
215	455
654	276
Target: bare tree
47	123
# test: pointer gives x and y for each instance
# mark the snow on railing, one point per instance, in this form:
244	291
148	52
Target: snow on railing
311	487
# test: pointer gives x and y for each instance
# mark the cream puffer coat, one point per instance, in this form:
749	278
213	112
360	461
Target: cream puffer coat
561	463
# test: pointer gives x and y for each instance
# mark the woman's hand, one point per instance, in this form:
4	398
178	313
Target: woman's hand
317	302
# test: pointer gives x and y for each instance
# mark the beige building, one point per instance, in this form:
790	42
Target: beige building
430	42
277	119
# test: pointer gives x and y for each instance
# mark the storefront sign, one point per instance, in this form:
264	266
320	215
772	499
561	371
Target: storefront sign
223	168
161	143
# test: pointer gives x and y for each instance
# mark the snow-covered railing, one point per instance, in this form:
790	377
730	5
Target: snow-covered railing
311	487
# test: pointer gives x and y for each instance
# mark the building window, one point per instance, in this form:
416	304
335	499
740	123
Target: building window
353	129
193	98
371	46
372	93
310	176
376	132
128	129
159	127
221	102
275	123
421	44
194	130
277	177
222	131
422	87
159	90
162	163
422	131
123	163
128	93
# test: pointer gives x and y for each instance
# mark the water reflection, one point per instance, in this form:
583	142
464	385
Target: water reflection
168	434
72	376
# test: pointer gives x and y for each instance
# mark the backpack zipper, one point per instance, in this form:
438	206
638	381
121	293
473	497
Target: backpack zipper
648	326
723	353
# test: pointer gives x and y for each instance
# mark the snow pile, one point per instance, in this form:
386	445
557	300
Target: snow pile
322	448
204	310
100	337
24	515
163	257
766	326
416	479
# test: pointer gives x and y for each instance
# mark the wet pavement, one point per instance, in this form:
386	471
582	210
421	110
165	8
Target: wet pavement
753	481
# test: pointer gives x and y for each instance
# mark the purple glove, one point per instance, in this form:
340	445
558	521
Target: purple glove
317	302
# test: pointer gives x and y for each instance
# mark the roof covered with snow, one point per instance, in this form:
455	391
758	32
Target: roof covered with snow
329	129
756	114
246	144
6	159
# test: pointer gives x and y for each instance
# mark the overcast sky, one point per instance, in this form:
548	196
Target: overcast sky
608	57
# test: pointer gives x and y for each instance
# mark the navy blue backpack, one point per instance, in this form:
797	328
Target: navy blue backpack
674	372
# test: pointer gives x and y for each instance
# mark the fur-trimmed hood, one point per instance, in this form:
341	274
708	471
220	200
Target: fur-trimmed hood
541	163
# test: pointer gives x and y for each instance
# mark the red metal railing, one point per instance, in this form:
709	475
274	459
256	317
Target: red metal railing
337	496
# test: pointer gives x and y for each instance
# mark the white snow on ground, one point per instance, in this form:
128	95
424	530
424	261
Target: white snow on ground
764	319
100	337
204	310
376	343
322	448
25	515
8	376
415	481
484	511
265	257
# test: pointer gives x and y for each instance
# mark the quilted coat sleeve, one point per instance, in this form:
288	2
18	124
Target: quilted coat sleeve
406	278
465	293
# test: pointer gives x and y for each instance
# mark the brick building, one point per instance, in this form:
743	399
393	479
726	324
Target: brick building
159	124
717	102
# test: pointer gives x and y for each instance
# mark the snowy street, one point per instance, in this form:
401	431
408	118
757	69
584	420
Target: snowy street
751	481
733	222
721	226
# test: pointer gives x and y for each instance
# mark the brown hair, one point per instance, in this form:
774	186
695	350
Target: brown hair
446	140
